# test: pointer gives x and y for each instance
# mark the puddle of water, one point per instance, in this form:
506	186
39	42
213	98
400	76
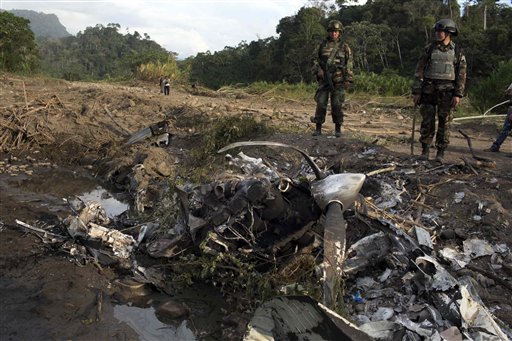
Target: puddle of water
145	323
205	303
112	206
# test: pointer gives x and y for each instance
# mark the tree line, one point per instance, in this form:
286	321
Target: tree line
385	36
99	52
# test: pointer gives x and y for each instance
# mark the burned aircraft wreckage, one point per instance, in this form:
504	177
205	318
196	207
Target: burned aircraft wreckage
390	282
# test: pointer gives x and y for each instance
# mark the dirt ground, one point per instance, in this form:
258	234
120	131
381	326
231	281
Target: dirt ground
69	138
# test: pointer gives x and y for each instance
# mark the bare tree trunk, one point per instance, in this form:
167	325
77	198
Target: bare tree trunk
485	17
399	53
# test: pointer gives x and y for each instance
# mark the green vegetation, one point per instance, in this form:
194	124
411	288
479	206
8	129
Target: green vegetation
388	83
102	53
282	89
236	275
386	38
225	130
18	50
490	91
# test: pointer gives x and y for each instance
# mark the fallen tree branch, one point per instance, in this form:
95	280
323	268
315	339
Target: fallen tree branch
421	204
432	186
127	133
397	219
25	95
466	162
483	159
382	170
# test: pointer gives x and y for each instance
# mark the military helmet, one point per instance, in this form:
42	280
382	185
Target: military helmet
334	25
447	25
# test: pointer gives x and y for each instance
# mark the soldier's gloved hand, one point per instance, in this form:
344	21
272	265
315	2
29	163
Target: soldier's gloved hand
320	75
455	101
416	99
346	85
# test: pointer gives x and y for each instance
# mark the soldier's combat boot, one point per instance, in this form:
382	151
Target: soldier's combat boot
494	148
425	150
440	155
337	130
318	130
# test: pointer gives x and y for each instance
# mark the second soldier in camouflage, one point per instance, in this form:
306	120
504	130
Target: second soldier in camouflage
438	86
332	67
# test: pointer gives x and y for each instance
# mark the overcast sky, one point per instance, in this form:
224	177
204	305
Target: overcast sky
183	26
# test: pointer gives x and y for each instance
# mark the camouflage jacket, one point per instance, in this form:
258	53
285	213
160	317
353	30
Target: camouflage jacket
341	65
458	85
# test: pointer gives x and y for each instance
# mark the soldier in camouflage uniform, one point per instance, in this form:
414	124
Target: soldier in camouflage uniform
332	67
438	87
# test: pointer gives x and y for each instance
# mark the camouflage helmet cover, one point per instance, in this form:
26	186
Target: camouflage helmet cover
334	25
447	25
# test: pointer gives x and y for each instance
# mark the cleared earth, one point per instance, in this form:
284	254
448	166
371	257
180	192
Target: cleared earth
61	139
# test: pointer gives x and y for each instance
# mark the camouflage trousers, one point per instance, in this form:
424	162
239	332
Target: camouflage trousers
322	98
438	103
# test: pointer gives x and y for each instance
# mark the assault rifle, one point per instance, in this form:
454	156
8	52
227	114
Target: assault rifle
328	72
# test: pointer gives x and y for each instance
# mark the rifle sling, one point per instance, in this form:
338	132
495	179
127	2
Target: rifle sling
332	55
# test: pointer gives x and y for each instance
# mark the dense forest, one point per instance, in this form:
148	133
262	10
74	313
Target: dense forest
383	34
386	36
100	52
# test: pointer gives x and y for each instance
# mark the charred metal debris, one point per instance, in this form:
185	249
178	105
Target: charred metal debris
277	235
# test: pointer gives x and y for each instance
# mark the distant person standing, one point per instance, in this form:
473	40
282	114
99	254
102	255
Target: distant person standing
332	67
194	87
161	84
438	87
167	86
507	125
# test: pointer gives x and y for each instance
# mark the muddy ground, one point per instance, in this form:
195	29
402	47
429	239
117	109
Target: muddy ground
60	139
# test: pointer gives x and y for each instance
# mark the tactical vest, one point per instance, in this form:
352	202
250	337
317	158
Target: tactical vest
441	65
338	59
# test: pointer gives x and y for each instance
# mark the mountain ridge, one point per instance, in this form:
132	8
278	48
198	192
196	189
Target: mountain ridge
42	24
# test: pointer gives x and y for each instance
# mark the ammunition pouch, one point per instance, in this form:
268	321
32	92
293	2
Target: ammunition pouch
428	88
337	76
448	86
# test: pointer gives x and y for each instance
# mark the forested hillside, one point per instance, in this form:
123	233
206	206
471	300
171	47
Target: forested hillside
100	52
386	36
43	25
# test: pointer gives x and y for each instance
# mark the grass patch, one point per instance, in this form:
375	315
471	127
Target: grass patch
386	83
490	91
218	133
297	91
